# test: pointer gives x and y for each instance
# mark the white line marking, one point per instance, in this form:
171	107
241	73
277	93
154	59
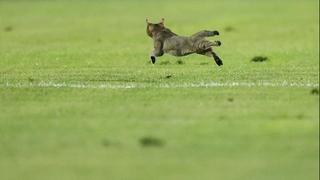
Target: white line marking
161	85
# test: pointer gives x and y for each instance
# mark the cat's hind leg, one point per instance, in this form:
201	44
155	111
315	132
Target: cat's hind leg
209	52
203	45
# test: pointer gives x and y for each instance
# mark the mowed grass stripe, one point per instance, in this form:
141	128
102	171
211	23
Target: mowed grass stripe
162	85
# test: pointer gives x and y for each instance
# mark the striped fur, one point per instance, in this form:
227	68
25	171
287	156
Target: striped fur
165	41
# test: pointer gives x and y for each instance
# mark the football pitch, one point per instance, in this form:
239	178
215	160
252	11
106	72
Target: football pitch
79	98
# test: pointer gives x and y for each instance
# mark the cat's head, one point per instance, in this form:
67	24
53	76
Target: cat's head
154	27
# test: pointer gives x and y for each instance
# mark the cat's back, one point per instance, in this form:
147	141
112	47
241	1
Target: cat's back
178	42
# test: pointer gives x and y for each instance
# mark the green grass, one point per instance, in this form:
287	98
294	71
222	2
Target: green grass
227	133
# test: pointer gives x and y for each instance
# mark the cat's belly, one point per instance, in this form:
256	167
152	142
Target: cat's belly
178	52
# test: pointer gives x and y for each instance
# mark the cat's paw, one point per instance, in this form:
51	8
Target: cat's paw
153	59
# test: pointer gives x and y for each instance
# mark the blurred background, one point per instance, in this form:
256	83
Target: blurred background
66	111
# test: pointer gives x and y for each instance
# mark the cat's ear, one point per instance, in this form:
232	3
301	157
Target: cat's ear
147	21
162	22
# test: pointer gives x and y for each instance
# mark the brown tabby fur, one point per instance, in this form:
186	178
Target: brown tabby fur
165	41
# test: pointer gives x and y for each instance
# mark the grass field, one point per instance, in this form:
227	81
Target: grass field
79	98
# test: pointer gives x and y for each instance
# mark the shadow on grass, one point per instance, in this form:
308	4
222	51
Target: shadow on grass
150	142
259	59
179	62
228	29
315	91
8	28
164	62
